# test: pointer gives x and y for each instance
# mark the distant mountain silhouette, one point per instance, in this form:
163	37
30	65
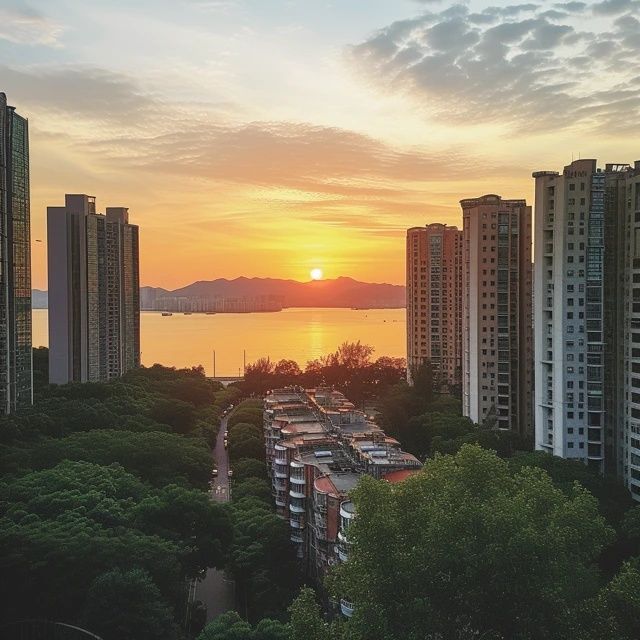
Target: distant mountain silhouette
340	292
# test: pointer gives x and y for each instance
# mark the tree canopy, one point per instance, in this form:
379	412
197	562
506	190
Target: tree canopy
469	545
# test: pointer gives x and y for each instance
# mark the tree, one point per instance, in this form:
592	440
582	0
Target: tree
62	527
421	552
159	458
306	619
245	415
179	415
230	626
261	560
127	605
227	626
190	519
424	382
244	468
252	487
613	497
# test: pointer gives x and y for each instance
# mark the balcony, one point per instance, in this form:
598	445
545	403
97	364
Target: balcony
295	508
295	493
346	607
280	484
297	537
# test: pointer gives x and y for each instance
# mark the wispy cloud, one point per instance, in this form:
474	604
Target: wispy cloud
78	91
531	66
23	25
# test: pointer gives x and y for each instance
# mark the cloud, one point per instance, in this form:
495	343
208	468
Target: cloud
22	25
77	92
522	65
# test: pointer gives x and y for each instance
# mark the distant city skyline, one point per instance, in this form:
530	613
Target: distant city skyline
213	129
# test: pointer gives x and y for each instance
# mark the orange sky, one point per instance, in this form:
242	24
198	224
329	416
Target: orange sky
257	142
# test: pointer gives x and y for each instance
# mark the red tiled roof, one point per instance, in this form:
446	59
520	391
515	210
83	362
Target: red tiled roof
324	484
399	475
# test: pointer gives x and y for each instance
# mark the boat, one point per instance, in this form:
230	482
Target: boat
187	313
211	313
167	313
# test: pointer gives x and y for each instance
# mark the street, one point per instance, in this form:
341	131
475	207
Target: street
215	591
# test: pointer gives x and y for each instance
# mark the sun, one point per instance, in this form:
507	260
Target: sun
316	274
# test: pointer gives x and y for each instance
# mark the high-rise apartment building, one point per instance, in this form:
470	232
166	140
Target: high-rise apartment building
94	292
434	297
626	418
587	329
16	370
497	348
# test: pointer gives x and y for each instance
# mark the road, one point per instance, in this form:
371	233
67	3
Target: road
215	590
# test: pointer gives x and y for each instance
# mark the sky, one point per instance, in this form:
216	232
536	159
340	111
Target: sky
269	137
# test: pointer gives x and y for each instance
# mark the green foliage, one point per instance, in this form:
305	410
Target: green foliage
230	626
350	369
104	491
261	558
244	468
191	520
127	605
245	439
248	415
306	619
40	369
613	498
159	458
252	488
62	527
179	415
468	545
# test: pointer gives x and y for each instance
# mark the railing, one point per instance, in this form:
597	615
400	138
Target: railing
44	630
346	607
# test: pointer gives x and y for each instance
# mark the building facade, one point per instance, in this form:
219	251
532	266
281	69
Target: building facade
434	297
94	292
627	416
497	347
16	362
587	331
318	445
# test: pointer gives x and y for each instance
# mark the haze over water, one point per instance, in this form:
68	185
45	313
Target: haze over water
294	334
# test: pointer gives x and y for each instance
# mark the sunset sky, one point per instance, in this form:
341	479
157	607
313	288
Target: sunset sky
269	137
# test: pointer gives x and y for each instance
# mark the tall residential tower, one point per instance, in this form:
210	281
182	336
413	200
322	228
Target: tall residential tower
16	371
587	327
497	343
94	297
434	295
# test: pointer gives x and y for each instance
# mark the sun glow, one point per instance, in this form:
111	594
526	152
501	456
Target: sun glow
316	274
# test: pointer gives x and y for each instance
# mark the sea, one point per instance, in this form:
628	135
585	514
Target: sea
300	334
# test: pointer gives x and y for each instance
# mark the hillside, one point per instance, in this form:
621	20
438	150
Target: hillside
341	292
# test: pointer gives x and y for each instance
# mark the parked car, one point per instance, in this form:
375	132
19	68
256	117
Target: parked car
230	473
215	473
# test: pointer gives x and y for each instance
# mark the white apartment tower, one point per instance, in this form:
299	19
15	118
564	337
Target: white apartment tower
586	404
94	292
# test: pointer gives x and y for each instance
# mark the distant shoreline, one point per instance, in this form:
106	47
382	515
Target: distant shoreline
224	313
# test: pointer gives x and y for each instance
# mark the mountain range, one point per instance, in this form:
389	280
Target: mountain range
339	292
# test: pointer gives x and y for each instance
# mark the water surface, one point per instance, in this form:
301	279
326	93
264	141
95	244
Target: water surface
295	334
